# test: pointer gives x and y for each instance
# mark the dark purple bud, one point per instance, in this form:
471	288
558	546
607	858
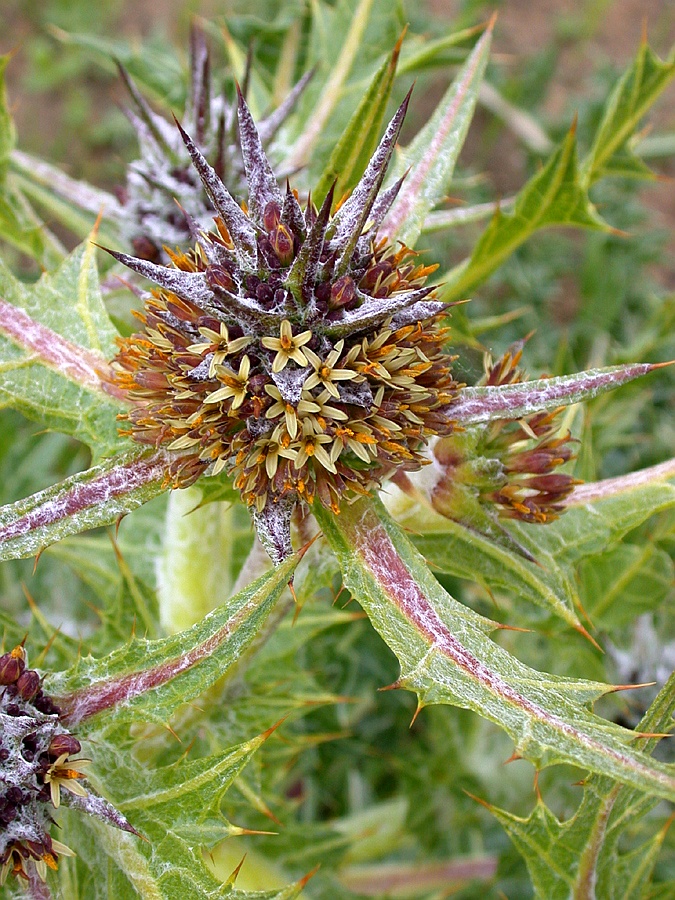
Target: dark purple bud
11	666
342	293
28	684
322	292
64	743
218	277
264	294
282	243
271	215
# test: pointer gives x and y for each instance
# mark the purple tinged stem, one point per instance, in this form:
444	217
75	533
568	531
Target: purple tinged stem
117	482
361	528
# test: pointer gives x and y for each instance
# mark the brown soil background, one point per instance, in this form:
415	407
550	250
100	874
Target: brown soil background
613	29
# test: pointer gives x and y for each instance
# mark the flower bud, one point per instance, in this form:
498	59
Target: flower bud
11	666
28	684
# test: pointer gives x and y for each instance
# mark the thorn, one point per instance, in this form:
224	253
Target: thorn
237	831
491	21
172	732
629	687
584	633
394	686
477	799
573	126
416	714
337	596
303	881
118	522
535	786
500	626
398	45
97	223
305	547
513	758
235	873
651	734
37	560
263	737
661	365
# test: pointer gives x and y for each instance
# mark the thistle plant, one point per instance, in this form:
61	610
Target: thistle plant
299	361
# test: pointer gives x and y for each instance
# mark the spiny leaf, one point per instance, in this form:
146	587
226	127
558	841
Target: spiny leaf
446	656
148	680
554	196
514	401
432	155
607	812
352	152
55	340
99	496
634	93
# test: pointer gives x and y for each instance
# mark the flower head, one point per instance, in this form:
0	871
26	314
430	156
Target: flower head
290	347
508	464
39	757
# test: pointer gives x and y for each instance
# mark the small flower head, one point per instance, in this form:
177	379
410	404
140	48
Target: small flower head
38	758
290	347
509	464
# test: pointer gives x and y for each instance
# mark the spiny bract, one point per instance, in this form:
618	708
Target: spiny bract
290	347
162	179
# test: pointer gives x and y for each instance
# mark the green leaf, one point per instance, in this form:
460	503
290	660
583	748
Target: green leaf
74	203
99	496
55	340
625	582
147	680
7	129
446	656
635	92
431	157
554	196
339	72
580	858
352	152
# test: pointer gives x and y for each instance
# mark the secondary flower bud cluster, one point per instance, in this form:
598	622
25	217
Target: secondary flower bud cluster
38	758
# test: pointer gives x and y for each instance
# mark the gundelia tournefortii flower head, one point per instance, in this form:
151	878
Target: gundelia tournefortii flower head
291	347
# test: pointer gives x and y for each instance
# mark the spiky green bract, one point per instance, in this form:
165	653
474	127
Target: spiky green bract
162	179
291	348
